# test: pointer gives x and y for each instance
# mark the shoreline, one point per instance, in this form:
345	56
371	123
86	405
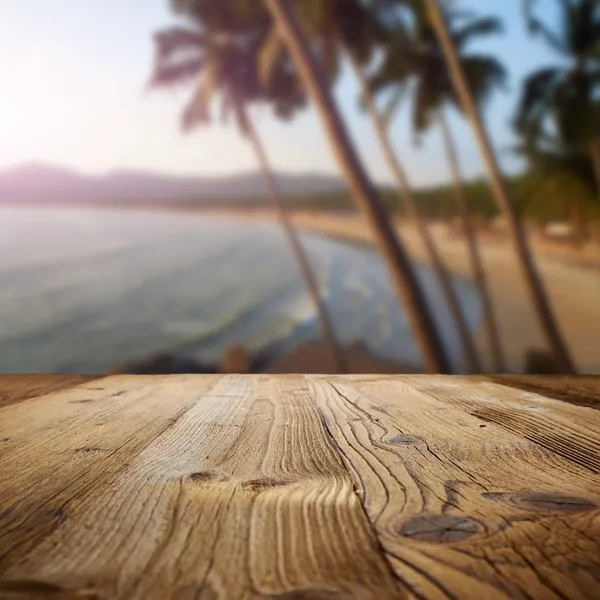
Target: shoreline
572	280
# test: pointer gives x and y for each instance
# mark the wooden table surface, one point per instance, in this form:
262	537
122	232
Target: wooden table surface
299	487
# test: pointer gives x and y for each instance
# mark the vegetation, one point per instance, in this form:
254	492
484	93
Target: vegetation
414	57
535	286
223	68
314	77
435	203
558	115
285	53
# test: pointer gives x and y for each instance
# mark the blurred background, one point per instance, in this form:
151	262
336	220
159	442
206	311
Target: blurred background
369	186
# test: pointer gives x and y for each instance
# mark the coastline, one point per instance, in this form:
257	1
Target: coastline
572	280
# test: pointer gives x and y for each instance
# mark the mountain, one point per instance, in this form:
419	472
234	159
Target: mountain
43	183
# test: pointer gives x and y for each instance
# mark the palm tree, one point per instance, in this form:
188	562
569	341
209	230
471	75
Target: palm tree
564	98
368	201
506	204
560	105
412	210
414	56
226	68
356	31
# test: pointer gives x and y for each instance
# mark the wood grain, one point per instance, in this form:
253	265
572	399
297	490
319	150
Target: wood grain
570	431
467	506
297	487
64	445
183	487
15	388
582	390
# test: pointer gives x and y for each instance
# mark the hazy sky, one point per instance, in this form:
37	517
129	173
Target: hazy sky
72	75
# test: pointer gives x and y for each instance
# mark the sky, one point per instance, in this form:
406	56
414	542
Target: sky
72	93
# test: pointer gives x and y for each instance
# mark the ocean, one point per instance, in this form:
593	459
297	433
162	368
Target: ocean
82	291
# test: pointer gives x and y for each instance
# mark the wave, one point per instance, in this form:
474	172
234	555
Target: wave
198	287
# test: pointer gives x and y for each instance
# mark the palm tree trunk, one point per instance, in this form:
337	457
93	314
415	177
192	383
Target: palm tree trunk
410	204
366	198
489	314
579	230
595	154
326	326
536	288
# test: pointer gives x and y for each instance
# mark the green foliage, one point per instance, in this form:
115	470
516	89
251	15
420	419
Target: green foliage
413	54
231	55
218	50
558	116
436	202
563	99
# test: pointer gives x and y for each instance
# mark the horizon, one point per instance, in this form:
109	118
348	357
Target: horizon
141	172
48	165
96	119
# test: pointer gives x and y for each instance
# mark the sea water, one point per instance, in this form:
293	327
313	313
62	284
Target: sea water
84	290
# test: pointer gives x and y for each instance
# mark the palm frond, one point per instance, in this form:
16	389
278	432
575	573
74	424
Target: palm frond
197	111
426	102
537	27
536	95
358	26
170	41
401	61
476	28
581	27
268	56
398	95
169	74
193	116
484	75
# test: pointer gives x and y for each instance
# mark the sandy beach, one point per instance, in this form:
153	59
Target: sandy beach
572	279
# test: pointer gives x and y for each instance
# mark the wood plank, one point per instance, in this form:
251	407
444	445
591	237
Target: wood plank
67	444
16	388
573	432
464	508
242	496
582	390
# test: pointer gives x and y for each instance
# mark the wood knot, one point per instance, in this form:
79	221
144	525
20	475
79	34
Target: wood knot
258	485
439	528
207	477
406	440
3	440
542	501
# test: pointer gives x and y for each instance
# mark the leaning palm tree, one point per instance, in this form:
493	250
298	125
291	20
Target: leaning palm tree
225	68
503	197
379	121
314	79
338	29
414	57
565	96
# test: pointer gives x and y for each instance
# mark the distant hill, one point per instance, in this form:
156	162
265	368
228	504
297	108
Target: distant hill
44	183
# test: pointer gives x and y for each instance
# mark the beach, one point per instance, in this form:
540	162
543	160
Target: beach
572	279
93	291
89	292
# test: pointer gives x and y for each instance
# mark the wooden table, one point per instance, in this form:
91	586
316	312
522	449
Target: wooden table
298	487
